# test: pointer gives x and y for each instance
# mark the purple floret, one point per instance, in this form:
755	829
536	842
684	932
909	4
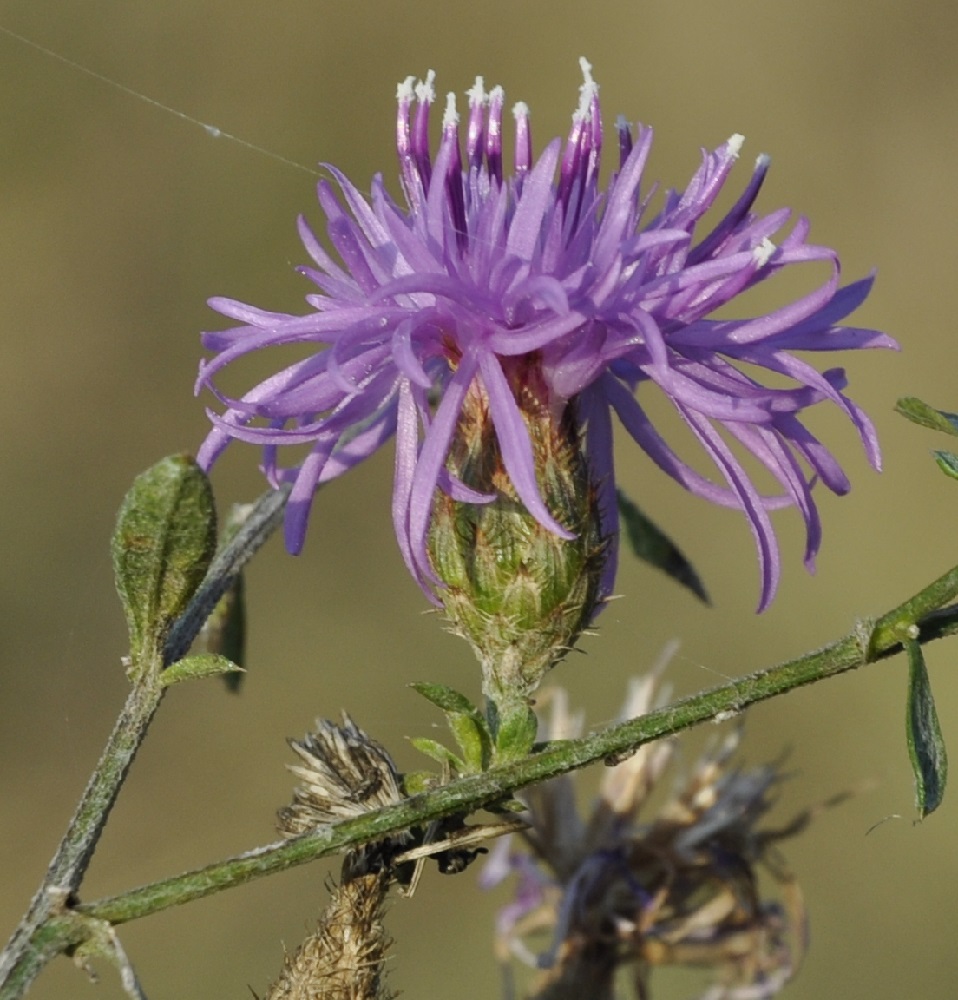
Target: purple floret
482	276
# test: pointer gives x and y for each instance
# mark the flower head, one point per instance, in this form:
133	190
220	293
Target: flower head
677	887
543	285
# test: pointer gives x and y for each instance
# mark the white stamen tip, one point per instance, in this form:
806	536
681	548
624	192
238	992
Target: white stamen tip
476	94
425	91
450	117
587	92
735	144
763	252
520	110
586	68
763	162
621	123
406	90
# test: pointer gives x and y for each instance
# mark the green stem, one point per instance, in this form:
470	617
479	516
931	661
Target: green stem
36	939
922	618
20	959
861	646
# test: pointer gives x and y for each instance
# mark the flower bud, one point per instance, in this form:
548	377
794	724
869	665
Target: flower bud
518	592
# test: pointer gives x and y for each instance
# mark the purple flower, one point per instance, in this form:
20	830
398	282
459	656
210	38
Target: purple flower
488	280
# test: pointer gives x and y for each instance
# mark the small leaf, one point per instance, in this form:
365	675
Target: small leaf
926	747
162	545
947	461
516	734
200	665
926	416
224	631
414	782
446	698
653	546
466	722
439	753
473	738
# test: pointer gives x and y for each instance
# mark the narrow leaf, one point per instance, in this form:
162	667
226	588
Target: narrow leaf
439	753
162	545
473	739
467	723
947	461
926	747
446	698
224	632
653	546
515	735
200	665
926	416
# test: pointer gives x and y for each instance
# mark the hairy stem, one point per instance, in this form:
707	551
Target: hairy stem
862	645
32	944
52	926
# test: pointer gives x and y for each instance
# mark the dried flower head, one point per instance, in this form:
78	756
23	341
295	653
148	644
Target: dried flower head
344	773
679	888
542	292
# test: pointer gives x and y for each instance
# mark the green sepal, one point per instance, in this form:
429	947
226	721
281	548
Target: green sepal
926	746
466	722
197	666
515	734
653	546
947	461
924	415
163	542
439	753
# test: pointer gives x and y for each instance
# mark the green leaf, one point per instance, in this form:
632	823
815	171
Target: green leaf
224	632
473	739
415	782
947	461
446	698
163	542
926	747
926	416
515	735
467	723
439	753
653	546
200	665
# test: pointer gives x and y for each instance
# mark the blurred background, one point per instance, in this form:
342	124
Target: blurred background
120	220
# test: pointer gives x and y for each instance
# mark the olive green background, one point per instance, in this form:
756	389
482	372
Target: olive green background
118	220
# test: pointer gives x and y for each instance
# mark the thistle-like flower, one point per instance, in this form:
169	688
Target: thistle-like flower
677	888
491	304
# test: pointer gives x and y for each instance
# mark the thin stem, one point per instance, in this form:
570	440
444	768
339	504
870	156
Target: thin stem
52	926
21	960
